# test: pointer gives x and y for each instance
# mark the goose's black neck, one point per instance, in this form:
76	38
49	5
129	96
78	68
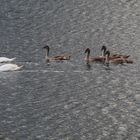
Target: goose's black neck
88	53
103	49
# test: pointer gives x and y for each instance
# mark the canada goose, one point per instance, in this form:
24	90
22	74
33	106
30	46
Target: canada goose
113	56
119	60
5	59
93	59
55	58
10	67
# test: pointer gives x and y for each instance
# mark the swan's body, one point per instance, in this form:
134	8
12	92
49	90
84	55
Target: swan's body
10	67
55	58
117	60
93	59
5	59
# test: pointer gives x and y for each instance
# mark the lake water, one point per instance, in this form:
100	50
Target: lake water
69	100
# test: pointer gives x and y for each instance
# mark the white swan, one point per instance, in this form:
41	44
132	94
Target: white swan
10	67
5	59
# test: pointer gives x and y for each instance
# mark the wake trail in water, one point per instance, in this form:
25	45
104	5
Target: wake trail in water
50	71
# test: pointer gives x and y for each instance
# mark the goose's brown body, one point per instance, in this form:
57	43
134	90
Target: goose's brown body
60	57
93	59
114	56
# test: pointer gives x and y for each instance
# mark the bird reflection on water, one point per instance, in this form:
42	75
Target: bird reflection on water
88	66
107	67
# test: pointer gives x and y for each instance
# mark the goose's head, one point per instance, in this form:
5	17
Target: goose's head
46	47
103	48
87	51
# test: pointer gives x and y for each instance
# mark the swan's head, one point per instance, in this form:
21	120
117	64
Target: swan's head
87	50
107	53
103	48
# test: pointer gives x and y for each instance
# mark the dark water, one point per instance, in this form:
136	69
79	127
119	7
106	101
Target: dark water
69	100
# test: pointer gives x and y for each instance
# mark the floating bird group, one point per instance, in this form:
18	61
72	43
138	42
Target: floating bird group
8	66
106	57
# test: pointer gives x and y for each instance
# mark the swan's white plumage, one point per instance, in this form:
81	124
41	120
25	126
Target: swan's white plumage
5	59
10	67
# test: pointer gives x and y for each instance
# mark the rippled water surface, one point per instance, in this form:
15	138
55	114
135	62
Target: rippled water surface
69	100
